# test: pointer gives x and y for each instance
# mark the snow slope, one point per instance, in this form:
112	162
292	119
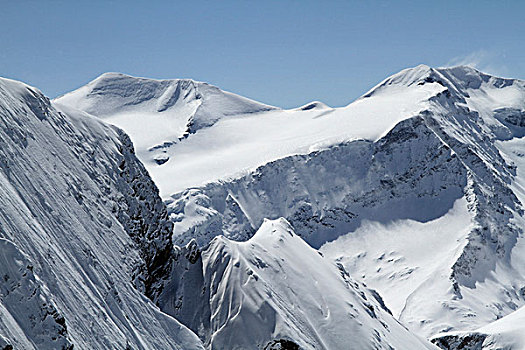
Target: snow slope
274	288
504	334
395	255
157	113
83	234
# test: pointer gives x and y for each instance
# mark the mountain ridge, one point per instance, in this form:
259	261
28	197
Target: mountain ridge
82	229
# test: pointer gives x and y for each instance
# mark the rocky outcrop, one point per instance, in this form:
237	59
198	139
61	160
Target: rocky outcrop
473	341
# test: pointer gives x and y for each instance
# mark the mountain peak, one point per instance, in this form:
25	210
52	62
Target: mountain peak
276	275
113	92
278	229
467	77
185	104
111	75
410	76
458	78
407	77
313	105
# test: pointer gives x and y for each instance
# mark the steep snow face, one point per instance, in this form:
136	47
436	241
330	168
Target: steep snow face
157	113
274	288
83	234
328	193
28	316
509	331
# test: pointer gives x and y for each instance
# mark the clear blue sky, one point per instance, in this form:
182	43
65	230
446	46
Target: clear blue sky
284	53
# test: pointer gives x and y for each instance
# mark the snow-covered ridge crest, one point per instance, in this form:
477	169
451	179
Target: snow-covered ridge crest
203	104
157	114
322	196
314	105
458	78
275	289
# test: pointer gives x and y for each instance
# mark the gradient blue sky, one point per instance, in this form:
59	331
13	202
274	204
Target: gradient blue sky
284	53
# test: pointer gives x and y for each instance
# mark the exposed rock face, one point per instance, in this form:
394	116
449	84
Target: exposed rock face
144	217
186	294
468	342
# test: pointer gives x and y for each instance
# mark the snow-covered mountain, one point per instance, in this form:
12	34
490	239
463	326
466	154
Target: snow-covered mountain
416	188
402	209
252	137
85	250
275	290
157	113
84	237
